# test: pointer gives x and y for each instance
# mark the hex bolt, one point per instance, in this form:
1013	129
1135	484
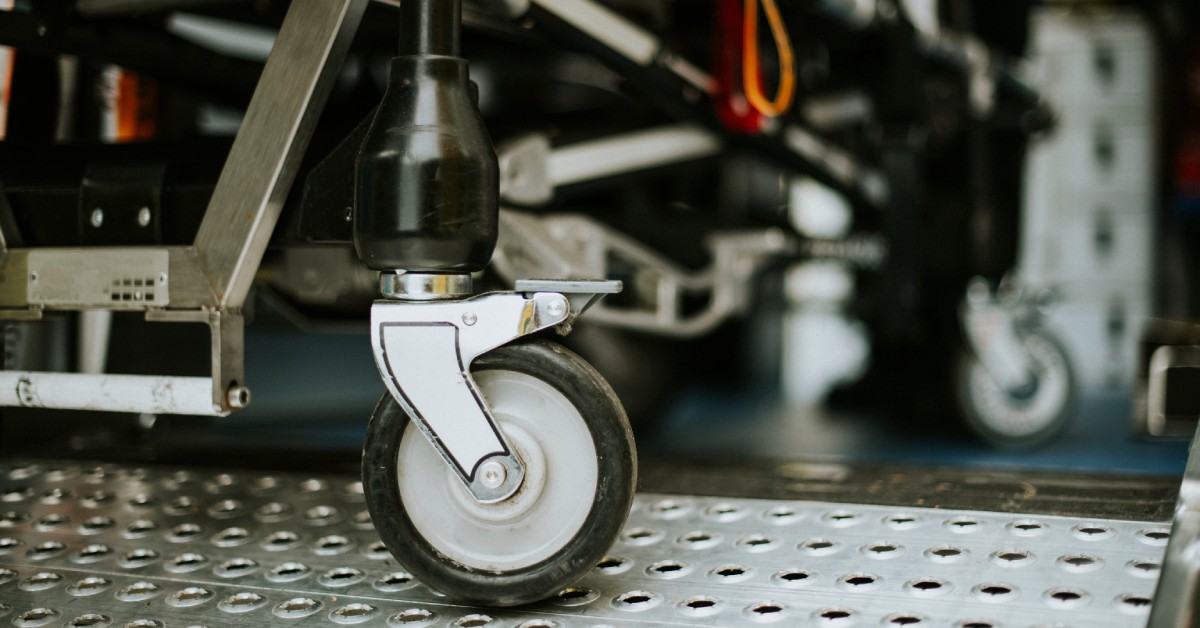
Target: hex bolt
97	218
470	318
237	396
144	217
492	474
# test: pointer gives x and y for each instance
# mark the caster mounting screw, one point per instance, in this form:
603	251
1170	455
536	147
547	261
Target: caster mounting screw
492	474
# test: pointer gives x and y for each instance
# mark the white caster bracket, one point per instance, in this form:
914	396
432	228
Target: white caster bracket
990	328
424	351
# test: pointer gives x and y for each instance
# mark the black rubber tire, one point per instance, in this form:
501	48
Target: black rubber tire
642	369
983	426
617	478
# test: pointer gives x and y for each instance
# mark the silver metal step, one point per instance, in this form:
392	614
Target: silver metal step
113	545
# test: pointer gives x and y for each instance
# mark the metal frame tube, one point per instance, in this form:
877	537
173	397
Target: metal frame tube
117	393
267	151
430	27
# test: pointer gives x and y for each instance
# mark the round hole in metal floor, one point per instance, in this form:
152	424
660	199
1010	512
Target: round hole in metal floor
297	608
90	585
90	620
474	621
793	578
1012	558
927	587
636	601
1143	568
340	577
700	606
731	573
231	537
189	597
1066	598
242	602
412	618
612	565
668	569
1079	563
288	572
41	581
767	612
1131	604
882	550
859	582
994	592
138	592
575	596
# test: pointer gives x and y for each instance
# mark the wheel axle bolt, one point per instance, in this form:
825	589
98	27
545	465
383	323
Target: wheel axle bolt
470	318
556	308
492	474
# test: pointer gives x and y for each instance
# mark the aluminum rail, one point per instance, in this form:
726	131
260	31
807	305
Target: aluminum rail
1178	593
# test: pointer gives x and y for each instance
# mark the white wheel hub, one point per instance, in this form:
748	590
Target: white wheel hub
1014	417
526	496
538	520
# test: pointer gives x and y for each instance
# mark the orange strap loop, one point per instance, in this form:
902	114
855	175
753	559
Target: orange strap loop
786	91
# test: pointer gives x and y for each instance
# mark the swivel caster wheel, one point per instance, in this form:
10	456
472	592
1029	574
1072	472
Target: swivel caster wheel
1023	416
580	473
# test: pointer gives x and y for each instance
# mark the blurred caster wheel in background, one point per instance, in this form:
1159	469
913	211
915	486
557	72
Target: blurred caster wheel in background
1027	416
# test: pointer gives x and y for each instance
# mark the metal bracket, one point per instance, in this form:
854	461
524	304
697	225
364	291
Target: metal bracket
564	246
1163	385
228	389
121	204
990	328
424	350
581	294
207	282
531	170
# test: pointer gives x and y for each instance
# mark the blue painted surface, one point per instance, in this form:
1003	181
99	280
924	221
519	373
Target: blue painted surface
318	387
1098	439
318	390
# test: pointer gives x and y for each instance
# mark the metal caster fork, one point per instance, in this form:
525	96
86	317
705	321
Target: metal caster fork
1014	384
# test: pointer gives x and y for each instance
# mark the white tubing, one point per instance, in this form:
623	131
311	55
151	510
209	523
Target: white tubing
114	393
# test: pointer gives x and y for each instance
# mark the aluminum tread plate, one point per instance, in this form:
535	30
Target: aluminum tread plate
111	545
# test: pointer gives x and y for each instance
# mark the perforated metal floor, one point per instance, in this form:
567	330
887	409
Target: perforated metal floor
116	546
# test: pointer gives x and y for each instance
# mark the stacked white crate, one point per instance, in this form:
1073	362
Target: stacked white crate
1089	221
